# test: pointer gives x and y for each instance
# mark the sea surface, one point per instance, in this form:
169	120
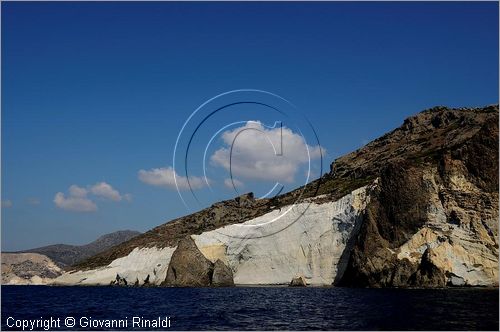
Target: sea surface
255	308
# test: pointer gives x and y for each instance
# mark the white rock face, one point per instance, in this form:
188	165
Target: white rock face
308	240
136	266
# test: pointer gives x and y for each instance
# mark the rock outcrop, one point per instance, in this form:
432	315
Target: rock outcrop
188	266
298	281
222	275
28	269
119	281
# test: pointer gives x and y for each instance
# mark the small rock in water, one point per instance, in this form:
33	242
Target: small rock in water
299	281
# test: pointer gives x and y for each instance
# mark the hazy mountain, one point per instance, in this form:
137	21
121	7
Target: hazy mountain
65	254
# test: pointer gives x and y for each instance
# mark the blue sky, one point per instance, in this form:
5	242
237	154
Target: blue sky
93	93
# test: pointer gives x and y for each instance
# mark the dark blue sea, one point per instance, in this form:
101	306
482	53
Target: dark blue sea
253	308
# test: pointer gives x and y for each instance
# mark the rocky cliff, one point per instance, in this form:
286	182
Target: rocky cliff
433	220
416	207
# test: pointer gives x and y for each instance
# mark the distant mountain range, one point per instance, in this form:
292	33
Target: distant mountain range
66	254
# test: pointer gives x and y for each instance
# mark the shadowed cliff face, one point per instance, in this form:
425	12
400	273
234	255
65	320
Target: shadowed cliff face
433	221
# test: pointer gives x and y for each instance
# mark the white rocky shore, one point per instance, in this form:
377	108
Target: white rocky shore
142	265
306	239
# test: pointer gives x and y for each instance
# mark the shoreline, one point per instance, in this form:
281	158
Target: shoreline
267	286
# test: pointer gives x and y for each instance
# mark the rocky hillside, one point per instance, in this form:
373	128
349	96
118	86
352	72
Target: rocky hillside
65	254
416	207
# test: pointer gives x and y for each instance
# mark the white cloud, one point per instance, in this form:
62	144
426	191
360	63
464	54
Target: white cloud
74	203
127	197
76	191
164	177
78	199
253	156
229	184
7	204
105	190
